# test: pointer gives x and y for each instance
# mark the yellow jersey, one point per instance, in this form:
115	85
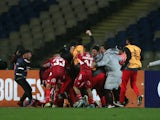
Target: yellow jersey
78	49
135	61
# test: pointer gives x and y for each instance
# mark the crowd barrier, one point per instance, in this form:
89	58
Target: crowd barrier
148	83
10	92
152	89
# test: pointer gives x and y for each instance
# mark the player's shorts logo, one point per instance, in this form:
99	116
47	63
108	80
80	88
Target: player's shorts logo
158	89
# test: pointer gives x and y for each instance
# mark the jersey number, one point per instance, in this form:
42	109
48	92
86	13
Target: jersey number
59	62
88	62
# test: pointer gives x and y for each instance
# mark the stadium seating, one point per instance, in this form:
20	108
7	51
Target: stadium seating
21	13
6	4
40	20
156	40
124	17
36	23
139	20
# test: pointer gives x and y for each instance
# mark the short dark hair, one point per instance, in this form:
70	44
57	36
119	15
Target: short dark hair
130	39
96	47
26	51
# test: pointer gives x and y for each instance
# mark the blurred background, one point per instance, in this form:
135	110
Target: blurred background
45	26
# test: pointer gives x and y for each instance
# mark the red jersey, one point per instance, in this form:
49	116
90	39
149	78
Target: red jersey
57	66
85	60
123	57
57	62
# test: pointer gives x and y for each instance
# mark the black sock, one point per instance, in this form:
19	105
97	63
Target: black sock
109	97
116	94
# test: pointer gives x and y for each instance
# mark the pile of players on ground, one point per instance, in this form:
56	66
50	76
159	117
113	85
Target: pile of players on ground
70	76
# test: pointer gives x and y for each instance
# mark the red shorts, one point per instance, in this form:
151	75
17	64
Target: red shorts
56	75
84	79
46	74
99	80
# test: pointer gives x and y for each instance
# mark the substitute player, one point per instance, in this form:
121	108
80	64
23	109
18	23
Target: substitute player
130	68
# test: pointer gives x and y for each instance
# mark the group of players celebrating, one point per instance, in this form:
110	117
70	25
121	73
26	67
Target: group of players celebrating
70	75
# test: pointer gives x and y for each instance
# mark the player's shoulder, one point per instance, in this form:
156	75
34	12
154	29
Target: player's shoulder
20	59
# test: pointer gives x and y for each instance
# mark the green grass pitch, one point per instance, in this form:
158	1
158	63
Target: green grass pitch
79	114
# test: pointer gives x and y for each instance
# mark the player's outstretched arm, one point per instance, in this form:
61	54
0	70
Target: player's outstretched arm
154	63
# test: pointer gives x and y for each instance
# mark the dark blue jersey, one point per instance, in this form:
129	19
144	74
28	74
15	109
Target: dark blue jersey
22	65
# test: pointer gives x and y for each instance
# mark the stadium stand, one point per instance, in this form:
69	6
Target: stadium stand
140	20
6	4
40	24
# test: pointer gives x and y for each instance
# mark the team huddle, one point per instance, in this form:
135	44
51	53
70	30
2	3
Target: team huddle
70	76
